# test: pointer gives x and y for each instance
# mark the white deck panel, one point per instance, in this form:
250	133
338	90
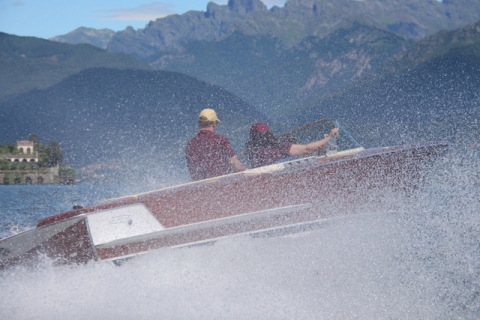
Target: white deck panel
121	223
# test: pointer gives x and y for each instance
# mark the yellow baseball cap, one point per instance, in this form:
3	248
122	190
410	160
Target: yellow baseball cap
208	115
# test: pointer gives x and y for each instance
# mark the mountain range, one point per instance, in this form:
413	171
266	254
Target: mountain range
278	58
411	19
276	82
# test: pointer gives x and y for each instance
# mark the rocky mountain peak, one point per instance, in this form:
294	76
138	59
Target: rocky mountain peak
245	6
96	37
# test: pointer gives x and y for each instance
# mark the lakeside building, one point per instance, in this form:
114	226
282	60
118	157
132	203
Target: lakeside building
27	154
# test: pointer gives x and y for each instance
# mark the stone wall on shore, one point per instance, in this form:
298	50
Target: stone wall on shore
40	176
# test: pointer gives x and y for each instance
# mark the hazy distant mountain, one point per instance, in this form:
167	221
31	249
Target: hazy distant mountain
413	19
250	66
140	117
96	37
463	41
27	62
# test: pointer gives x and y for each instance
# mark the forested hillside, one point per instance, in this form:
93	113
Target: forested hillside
31	63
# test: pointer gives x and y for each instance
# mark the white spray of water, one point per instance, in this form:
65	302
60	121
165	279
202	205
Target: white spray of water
418	261
346	269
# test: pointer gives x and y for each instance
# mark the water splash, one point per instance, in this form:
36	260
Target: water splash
345	269
418	260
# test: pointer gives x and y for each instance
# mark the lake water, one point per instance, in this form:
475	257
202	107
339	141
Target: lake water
420	261
22	206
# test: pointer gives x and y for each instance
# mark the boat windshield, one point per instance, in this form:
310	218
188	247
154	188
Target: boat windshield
318	130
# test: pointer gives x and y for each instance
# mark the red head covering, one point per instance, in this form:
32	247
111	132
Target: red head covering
260	127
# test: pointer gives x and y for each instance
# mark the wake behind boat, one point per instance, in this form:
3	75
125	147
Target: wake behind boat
337	180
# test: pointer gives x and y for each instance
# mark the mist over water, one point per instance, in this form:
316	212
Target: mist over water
420	260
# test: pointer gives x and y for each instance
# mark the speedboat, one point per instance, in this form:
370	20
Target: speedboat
340	179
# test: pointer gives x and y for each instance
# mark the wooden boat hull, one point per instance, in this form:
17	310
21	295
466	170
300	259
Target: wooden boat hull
267	198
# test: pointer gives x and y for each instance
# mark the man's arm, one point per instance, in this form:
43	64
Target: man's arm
236	164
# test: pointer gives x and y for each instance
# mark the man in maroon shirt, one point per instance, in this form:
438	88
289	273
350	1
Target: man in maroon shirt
209	154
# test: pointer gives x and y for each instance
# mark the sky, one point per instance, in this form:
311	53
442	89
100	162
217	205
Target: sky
49	18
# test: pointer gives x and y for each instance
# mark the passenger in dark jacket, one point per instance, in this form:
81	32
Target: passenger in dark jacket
263	148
